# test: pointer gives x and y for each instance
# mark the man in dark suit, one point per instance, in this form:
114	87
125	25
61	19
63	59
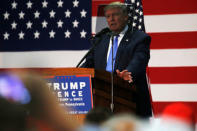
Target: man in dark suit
131	55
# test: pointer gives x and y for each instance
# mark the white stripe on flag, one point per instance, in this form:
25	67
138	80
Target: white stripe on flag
158	23
101	24
174	92
159	58
40	59
173	58
171	23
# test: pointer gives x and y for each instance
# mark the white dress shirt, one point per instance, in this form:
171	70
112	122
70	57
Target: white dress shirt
119	40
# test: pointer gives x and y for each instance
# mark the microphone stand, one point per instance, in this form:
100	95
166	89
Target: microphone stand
112	76
90	50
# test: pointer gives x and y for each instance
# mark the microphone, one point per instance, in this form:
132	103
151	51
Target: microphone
96	42
114	34
102	32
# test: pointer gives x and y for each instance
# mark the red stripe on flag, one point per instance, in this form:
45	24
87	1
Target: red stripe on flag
155	7
158	107
172	75
173	40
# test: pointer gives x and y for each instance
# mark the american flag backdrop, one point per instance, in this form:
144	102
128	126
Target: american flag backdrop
172	25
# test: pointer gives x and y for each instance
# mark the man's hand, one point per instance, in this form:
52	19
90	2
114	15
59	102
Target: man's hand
125	75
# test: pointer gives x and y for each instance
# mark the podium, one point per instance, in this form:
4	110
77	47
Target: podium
124	93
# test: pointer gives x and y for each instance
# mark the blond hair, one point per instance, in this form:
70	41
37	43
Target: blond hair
117	4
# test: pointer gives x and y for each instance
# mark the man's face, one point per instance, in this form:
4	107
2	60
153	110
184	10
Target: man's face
116	19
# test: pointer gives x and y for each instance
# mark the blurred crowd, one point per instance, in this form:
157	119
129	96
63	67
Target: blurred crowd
27	104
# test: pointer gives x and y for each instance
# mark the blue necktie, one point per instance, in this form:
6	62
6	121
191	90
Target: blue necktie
109	62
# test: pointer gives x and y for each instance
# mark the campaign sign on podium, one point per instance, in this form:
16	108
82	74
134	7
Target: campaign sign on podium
73	92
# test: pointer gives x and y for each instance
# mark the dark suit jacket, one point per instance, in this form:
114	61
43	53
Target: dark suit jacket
133	54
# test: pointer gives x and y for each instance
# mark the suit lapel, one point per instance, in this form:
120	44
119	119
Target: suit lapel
105	43
123	45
